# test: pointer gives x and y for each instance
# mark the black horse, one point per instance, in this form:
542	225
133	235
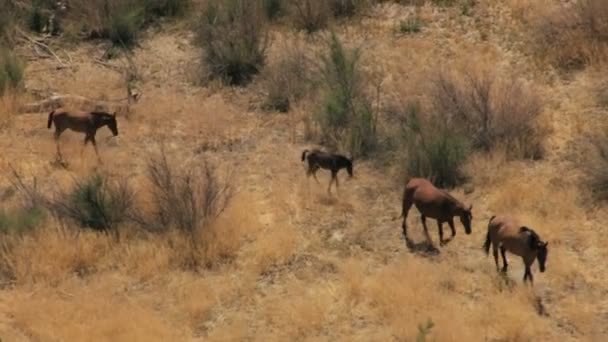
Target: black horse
318	159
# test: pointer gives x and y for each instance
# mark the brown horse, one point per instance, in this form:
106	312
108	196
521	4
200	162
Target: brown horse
334	162
506	233
434	203
84	122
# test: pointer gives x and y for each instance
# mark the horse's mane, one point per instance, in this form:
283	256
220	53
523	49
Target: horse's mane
534	238
452	198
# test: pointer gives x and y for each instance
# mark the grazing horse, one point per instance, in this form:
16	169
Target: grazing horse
84	122
334	162
434	203
506	233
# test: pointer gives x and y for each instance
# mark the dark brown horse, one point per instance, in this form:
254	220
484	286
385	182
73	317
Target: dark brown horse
506	233
334	162
434	203
84	122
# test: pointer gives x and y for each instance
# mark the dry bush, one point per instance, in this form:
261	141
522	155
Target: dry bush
288	81
311	15
234	38
493	110
187	200
570	36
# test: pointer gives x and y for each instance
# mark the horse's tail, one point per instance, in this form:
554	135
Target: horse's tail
50	121
406	202
304	154
486	245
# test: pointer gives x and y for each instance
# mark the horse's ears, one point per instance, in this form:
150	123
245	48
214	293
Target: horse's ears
546	244
114	115
470	206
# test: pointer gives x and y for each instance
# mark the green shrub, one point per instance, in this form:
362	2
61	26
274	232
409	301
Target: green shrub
20	220
433	150
11	71
95	203
346	118
234	38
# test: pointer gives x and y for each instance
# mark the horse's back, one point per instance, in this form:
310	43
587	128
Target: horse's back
505	230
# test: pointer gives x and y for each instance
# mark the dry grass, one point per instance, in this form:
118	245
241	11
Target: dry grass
285	261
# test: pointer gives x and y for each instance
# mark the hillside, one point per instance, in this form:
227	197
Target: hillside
286	261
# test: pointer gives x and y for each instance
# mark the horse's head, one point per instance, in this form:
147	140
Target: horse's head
466	217
541	254
111	122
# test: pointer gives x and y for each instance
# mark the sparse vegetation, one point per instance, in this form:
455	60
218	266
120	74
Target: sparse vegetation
424	330
281	259
288	81
571	36
410	25
20	220
597	167
346	118
233	36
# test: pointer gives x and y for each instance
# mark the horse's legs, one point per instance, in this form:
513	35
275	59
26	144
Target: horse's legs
407	204
451	223
528	274
92	139
334	178
426	231
495	252
58	132
314	173
504	259
440	227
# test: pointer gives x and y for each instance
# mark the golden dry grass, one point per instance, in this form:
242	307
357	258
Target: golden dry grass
285	261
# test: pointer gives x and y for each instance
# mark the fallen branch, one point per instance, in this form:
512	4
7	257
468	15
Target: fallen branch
41	45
